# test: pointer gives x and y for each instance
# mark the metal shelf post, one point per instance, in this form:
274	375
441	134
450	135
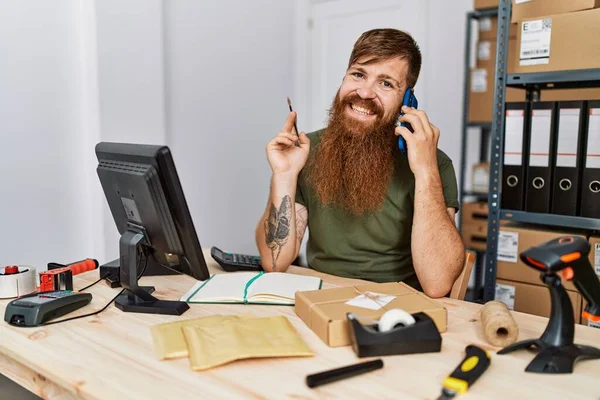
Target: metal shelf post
504	12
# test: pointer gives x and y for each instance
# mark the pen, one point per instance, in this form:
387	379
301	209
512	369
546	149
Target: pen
295	126
337	374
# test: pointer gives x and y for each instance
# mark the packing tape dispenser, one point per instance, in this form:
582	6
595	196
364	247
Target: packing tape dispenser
17	280
396	332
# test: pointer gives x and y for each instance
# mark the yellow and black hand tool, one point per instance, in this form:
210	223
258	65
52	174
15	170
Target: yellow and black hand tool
470	369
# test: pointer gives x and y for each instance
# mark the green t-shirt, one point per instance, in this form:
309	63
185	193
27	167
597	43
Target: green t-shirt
373	246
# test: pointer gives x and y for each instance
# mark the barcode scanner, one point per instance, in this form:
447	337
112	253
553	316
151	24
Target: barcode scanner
410	100
569	254
557	353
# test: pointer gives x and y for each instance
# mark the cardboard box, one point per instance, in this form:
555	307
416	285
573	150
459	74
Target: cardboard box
570	94
574	42
481	4
481	178
474	236
324	311
486	54
475	214
539	8
481	89
532	299
512	241
488	29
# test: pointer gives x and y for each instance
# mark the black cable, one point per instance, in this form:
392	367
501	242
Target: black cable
92	284
107	304
86	315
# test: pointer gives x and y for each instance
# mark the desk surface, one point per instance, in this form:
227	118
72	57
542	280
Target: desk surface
110	356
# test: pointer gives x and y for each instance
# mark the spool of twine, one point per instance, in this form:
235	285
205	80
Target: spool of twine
499	327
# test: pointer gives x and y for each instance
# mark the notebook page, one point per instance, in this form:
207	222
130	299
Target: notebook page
282	285
221	287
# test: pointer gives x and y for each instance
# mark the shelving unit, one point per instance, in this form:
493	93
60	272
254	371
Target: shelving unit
484	127
532	83
484	137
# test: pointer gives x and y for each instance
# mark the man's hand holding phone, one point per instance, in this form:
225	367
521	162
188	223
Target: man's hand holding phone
422	143
283	154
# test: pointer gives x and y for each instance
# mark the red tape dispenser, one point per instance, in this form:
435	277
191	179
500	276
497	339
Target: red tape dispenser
60	276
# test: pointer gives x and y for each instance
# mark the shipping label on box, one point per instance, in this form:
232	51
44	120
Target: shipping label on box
535	42
485	24
481	178
479	80
484	50
506	295
508	246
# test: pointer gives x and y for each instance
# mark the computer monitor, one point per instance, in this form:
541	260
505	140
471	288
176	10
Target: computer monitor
149	208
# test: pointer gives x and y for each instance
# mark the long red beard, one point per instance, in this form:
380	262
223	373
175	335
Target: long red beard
354	161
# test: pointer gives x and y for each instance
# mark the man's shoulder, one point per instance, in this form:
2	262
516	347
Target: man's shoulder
443	158
313	136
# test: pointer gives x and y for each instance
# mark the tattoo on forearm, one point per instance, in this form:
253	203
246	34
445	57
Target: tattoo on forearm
301	222
277	227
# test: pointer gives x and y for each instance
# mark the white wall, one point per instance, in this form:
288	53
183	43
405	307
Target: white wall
443	70
229	71
45	204
131	83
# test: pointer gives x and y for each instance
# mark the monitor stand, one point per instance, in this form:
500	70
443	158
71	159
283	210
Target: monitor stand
138	298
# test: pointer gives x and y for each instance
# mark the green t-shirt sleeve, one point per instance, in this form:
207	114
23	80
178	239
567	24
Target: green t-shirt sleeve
299	194
449	185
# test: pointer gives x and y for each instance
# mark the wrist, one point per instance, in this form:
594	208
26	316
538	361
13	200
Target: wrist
427	175
284	181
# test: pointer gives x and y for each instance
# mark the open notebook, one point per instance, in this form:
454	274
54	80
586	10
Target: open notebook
250	287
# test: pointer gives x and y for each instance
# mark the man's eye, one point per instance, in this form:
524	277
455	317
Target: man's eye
387	85
357	74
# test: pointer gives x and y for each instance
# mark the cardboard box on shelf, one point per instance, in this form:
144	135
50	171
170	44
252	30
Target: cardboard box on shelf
486	54
474	236
570	94
537	8
512	241
561	42
481	90
324	311
475	214
481	4
488	29
532	299
481	178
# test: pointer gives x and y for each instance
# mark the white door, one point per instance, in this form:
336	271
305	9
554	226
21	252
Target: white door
335	27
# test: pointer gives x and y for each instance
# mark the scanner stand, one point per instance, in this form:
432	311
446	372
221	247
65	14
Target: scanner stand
557	352
420	337
138	298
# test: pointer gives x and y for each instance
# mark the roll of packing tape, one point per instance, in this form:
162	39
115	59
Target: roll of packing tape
16	284
393	318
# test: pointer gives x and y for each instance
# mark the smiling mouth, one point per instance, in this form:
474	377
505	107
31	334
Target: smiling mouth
361	110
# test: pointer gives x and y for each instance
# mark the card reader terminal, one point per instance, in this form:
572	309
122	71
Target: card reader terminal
39	308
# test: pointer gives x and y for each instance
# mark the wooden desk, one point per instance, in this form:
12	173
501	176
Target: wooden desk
110	356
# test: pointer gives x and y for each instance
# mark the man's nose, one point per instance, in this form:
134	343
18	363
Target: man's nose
366	91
